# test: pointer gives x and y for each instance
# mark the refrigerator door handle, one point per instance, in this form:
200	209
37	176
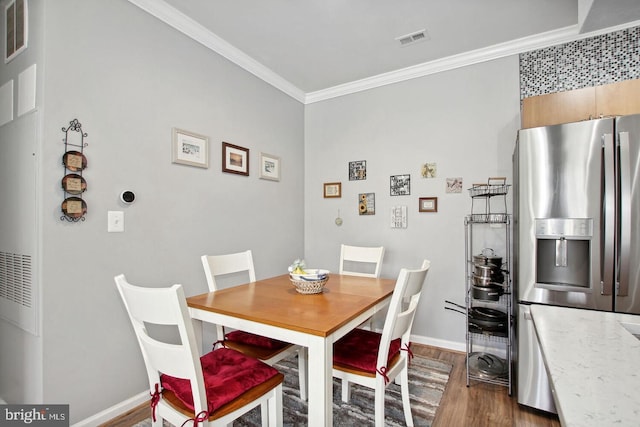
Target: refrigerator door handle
608	219
624	227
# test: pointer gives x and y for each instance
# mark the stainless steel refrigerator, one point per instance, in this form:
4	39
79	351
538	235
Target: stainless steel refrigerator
576	229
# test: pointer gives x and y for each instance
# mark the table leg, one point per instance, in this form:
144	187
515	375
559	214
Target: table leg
320	382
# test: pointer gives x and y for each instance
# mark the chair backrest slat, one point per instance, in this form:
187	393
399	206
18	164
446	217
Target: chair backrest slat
219	265
361	256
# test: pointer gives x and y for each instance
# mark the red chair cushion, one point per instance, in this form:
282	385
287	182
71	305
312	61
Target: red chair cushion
227	374
359	349
255	340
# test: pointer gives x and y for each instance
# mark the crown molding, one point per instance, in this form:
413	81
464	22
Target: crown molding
513	47
181	22
448	63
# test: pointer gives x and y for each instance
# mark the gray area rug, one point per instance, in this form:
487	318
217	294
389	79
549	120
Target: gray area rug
427	381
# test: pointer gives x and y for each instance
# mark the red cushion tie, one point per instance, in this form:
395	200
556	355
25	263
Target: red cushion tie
200	418
155	398
408	350
383	371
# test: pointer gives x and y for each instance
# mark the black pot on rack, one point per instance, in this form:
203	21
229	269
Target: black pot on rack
490	292
483	319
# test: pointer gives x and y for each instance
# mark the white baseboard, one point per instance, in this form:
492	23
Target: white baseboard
435	342
114	411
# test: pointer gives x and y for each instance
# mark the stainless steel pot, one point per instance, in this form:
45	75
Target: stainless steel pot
487	256
482	281
487	365
485	270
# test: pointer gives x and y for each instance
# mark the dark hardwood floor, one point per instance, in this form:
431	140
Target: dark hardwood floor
479	405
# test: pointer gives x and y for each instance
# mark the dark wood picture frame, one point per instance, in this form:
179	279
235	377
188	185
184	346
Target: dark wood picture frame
235	159
332	189
428	204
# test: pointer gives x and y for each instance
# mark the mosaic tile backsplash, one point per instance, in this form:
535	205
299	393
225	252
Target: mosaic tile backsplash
595	61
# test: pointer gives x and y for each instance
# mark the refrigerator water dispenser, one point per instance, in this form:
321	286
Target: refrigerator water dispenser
563	253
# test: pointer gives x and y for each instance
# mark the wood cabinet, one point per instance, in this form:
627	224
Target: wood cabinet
614	99
618	99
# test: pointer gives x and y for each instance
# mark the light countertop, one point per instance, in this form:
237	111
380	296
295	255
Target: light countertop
593	364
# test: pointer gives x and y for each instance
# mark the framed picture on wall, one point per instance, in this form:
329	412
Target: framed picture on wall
332	189
190	148
357	170
269	167
428	204
454	185
235	159
400	185
367	204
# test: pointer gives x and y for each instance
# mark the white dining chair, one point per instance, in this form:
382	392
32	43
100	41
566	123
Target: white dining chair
212	390
374	359
269	350
363	261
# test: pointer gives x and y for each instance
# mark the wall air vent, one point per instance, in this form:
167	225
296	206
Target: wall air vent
15	278
415	37
16	291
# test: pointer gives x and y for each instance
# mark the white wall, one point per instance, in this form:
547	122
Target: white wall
464	120
20	351
129	79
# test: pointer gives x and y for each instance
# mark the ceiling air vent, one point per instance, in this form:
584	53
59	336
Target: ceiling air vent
408	39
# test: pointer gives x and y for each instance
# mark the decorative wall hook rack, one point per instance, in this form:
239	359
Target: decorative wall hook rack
74	161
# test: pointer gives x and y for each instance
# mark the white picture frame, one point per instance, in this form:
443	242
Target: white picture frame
189	148
269	167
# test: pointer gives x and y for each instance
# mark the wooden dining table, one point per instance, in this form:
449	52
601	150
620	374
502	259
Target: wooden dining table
272	307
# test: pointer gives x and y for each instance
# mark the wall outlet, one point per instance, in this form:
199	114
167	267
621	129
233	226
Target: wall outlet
115	221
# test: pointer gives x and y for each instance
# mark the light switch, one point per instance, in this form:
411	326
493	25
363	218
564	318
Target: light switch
115	221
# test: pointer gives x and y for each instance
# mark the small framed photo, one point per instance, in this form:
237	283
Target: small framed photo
400	185
367	204
429	170
189	148
332	189
235	159
357	170
428	204
454	185
269	167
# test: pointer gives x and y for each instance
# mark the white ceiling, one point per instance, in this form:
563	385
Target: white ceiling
315	47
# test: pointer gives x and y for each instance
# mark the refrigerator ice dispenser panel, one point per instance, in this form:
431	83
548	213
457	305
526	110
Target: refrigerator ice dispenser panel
563	253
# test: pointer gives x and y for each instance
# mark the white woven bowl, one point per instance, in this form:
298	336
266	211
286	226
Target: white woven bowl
310	283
